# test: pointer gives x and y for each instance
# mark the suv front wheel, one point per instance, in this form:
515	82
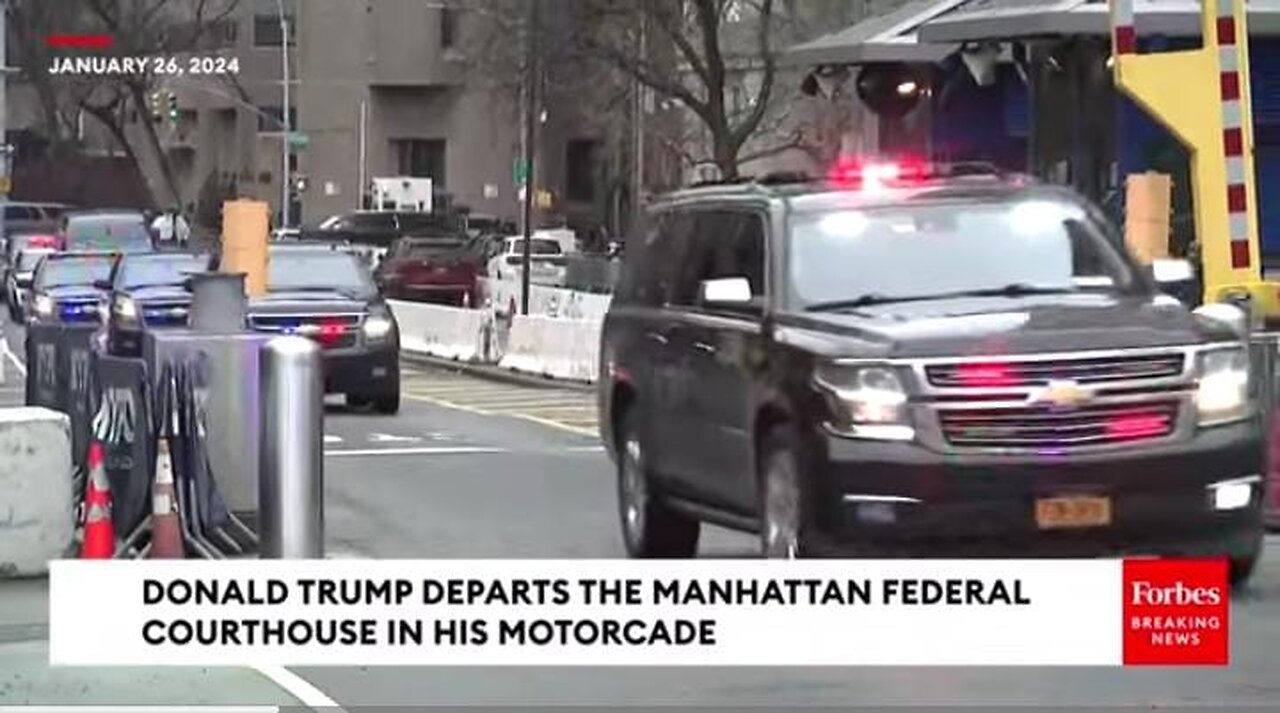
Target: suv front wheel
650	529
784	529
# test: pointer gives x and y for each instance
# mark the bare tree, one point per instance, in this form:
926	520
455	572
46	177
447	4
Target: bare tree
692	59
119	102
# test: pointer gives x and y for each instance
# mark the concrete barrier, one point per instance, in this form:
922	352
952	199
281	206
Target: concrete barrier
36	516
556	348
445	332
547	301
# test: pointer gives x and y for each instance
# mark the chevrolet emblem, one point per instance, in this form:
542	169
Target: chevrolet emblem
1062	394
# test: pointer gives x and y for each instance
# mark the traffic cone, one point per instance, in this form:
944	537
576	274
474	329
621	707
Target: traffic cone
99	532
166	528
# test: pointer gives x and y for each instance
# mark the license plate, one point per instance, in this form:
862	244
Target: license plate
1073	512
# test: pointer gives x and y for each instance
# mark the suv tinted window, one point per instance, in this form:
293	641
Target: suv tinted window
17	212
725	243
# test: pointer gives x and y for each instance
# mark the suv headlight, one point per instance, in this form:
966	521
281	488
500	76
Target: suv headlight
126	309
378	326
1222	395
866	401
43	306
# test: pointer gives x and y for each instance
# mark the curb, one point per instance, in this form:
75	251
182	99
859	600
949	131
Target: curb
496	373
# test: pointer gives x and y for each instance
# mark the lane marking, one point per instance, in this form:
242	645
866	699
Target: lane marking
480	389
529	403
388	438
425	451
332	439
22	368
132	709
299	688
522	416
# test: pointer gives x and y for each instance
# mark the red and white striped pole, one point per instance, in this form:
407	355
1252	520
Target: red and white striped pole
1231	88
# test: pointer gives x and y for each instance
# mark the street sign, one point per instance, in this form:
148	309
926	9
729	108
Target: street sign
299	140
519	171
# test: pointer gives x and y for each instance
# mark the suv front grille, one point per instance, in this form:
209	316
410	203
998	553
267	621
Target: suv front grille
1091	370
1023	427
331	331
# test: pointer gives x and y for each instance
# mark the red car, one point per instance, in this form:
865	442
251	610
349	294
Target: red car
441	269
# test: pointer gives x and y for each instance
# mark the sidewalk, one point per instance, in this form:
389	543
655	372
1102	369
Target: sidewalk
26	678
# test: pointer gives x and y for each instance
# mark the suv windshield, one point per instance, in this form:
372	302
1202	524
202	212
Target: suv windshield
28	259
122	233
934	250
161	270
75	271
319	271
427	249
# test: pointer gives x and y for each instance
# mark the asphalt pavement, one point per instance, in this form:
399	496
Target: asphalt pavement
476	469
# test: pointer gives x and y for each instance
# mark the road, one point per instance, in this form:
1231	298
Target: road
473	468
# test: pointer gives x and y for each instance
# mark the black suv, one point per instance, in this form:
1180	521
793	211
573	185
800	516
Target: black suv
326	293
941	363
149	291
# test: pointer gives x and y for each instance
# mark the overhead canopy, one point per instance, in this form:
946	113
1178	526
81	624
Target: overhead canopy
1012	19
886	38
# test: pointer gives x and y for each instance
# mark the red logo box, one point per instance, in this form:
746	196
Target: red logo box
1176	612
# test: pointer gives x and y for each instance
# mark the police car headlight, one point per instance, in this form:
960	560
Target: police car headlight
43	306
866	401
126	309
378	327
1222	395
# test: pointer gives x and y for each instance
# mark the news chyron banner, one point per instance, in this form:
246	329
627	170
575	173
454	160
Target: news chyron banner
646	613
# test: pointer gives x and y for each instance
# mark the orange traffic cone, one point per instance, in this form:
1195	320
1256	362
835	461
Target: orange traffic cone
166	528
99	532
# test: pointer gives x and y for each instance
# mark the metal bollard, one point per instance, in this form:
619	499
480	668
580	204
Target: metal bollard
291	477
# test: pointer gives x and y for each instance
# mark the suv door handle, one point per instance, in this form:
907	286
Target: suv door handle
657	337
704	347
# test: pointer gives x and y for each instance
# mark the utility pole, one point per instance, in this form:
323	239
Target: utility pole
285	148
532	100
364	153
638	180
6	151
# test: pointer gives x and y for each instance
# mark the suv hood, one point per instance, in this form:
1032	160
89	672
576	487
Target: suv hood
74	292
1004	325
161	293
305	303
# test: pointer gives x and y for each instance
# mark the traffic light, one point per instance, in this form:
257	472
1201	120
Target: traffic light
157	106
174	113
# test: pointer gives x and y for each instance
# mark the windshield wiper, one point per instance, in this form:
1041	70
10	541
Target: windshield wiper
1016	289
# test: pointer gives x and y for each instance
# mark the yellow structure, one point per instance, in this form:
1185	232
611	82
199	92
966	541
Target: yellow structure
1146	230
1202	97
245	225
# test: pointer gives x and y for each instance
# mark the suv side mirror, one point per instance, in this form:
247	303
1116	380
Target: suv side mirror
728	291
1232	316
1169	271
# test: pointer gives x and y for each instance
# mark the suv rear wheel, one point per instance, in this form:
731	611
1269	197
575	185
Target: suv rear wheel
650	529
388	404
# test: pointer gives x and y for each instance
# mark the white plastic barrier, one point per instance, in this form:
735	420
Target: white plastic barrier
547	301
445	332
557	348
36	517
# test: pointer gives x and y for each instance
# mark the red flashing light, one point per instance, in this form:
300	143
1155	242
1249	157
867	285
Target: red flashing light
1133	426
331	332
987	375
856	173
43	241
80	41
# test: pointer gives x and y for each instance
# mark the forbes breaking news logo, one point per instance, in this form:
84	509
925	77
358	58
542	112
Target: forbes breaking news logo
1176	613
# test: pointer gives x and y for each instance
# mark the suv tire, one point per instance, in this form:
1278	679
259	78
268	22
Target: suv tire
650	529
784	499
388	404
1241	566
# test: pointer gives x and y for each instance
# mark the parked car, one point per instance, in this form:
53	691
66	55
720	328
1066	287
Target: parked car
432	270
372	233
18	280
31	217
547	262
67	288
149	291
913	362
326	292
116	231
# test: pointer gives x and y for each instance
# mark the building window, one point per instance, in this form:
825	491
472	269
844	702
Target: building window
581	170
271	119
223	34
448	27
421	158
266	23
